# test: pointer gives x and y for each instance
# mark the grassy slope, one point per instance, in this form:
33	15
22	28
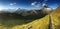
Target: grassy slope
40	23
56	18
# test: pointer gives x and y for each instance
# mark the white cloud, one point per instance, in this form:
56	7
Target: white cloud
33	3
45	0
43	4
36	4
12	4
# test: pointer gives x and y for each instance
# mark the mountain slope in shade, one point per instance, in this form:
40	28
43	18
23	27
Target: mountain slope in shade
43	23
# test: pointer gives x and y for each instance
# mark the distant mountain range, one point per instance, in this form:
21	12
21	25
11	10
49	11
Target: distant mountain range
23	12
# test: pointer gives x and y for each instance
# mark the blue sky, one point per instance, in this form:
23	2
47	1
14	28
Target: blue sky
27	4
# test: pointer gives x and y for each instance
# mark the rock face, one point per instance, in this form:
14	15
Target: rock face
46	9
